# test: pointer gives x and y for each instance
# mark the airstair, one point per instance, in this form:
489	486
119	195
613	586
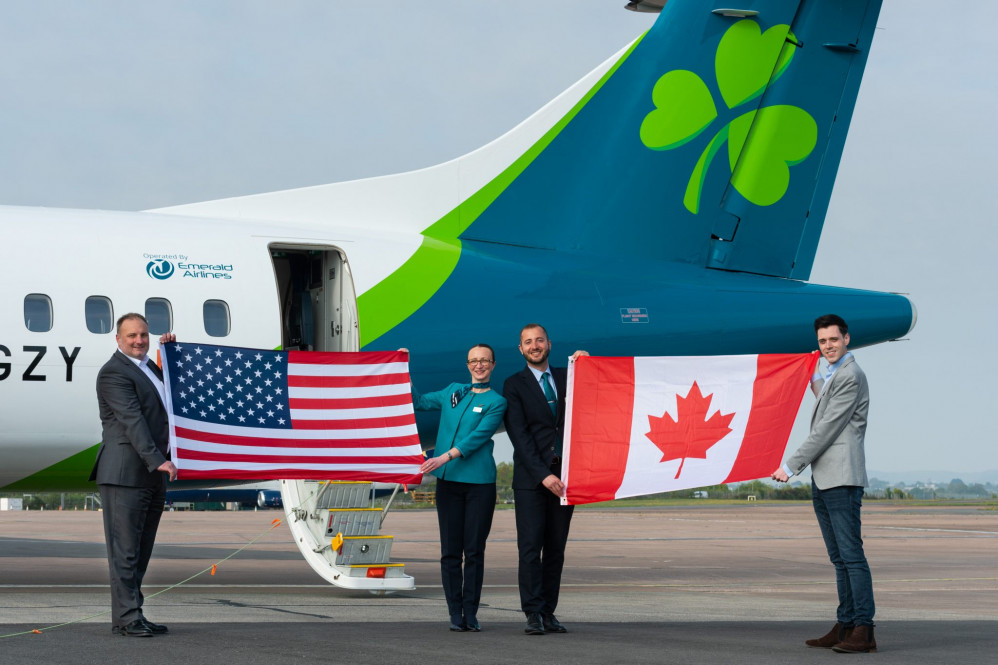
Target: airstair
337	528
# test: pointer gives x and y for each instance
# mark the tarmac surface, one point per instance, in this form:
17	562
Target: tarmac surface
702	584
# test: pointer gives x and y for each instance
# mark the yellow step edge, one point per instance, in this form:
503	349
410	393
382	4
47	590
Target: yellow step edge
374	565
364	537
343	482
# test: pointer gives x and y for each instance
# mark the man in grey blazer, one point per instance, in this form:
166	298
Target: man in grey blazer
835	451
131	469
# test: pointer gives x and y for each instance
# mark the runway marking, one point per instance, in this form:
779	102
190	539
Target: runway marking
918	528
749	585
581	585
166	586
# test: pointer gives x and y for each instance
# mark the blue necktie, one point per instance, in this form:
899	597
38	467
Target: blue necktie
549	393
552	403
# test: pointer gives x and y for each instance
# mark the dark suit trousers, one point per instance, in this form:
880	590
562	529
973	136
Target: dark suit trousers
541	534
131	518
464	512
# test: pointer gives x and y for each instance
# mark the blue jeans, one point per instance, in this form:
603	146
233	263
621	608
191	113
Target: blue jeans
837	509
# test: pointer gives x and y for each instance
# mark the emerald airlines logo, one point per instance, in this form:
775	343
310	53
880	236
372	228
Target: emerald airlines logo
159	269
164	266
782	135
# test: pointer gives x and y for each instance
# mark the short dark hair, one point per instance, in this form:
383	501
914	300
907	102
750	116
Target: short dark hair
828	320
128	317
485	346
534	325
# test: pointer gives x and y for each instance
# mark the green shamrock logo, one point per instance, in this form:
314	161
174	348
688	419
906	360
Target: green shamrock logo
782	135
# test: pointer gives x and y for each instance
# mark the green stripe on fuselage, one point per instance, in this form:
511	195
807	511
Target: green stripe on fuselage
403	292
69	475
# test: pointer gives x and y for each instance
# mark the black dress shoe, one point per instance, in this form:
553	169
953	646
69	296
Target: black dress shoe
472	625
457	624
534	626
156	628
136	628
552	625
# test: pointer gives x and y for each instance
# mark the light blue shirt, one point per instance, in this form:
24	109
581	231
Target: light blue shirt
834	367
539	373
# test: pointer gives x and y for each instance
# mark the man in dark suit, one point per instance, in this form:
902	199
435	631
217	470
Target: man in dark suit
131	469
835	450
535	421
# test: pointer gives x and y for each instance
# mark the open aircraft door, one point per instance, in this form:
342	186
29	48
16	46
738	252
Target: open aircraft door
318	304
334	524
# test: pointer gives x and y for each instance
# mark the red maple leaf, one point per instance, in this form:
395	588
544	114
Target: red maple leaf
692	434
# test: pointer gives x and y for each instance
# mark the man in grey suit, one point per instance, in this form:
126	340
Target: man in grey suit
835	451
131	469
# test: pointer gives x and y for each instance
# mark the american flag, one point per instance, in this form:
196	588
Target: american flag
259	415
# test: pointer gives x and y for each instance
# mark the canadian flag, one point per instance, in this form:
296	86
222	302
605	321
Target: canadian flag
646	425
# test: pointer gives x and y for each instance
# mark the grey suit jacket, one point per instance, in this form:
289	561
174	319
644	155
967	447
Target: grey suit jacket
835	446
136	432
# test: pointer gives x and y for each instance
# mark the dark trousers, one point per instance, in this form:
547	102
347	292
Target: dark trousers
131	518
464	511
837	509
541	534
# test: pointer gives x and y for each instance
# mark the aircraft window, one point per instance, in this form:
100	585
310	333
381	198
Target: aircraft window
159	314
37	312
100	314
216	318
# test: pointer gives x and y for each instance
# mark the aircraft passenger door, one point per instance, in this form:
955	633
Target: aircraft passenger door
339	318
346	308
318	305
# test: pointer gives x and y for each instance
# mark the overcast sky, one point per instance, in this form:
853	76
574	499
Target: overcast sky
123	105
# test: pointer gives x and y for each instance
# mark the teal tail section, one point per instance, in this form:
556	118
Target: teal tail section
714	143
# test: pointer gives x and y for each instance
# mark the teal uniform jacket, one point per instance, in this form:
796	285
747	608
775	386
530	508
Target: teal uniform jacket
469	427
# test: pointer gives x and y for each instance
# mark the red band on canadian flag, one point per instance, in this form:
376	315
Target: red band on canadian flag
601	392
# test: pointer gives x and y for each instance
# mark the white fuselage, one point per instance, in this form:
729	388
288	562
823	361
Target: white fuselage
65	257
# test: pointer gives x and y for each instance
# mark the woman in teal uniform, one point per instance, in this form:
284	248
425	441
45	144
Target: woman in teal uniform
466	481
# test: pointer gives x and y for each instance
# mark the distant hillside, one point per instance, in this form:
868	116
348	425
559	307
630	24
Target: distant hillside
911	477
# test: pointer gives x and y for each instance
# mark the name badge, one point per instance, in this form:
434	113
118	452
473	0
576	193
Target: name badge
477	409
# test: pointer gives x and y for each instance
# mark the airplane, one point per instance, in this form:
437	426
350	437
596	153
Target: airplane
668	203
265	494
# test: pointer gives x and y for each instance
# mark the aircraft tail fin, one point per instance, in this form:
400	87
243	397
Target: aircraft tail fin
715	141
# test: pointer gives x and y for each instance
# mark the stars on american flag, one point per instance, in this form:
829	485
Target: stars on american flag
228	386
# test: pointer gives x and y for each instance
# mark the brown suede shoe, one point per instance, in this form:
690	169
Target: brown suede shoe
836	635
860	641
